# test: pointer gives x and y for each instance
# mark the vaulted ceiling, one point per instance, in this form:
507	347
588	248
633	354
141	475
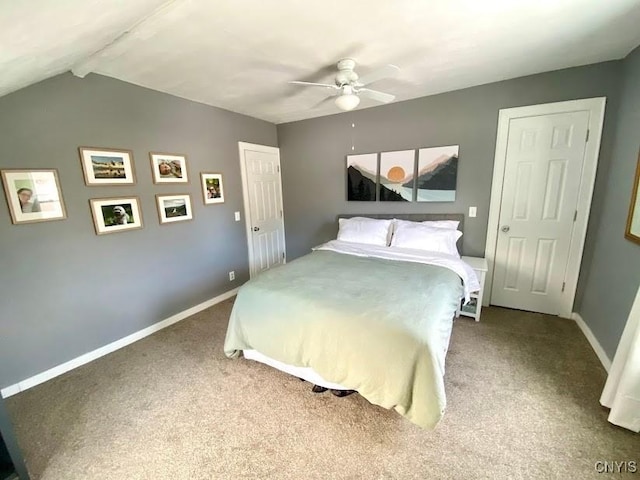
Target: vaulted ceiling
241	54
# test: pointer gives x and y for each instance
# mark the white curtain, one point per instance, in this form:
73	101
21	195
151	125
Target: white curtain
622	391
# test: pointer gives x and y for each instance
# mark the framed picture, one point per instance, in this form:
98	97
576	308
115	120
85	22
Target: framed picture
112	215
396	176
362	177
212	190
174	208
169	168
632	231
107	166
437	174
33	195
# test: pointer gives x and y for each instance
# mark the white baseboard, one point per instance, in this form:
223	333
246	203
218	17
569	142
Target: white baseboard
112	347
604	359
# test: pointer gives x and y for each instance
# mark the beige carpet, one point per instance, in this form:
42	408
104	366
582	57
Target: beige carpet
522	388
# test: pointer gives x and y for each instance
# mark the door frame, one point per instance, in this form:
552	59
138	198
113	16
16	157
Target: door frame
596	107
242	146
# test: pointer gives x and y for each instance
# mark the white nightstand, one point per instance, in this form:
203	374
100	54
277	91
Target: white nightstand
473	308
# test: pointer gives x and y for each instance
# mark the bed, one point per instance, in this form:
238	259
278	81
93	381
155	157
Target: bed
372	318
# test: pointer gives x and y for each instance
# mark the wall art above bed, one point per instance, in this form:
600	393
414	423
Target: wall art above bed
424	175
437	174
396	176
362	177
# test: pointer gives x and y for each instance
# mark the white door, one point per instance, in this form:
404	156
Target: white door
543	168
262	191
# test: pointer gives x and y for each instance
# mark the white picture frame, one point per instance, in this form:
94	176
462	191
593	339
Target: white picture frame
174	208
118	214
107	166
212	188
169	167
33	195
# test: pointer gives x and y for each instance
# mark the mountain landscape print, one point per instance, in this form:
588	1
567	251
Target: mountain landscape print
362	174
396	176
437	174
108	167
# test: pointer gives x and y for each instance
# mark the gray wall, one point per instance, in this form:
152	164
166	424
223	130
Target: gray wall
313	151
611	266
65	290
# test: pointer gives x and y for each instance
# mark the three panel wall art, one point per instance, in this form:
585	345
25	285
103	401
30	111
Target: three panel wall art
423	175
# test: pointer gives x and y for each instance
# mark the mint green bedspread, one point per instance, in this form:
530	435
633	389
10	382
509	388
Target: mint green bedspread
377	326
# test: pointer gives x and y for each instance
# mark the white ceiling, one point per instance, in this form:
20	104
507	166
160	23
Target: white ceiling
240	54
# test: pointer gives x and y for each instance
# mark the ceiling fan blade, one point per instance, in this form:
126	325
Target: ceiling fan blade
326	85
324	101
388	71
376	95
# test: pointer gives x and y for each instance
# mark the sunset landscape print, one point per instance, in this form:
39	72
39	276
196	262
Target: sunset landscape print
396	176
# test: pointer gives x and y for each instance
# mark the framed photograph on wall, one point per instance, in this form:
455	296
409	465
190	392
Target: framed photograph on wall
362	177
33	195
112	215
632	231
212	190
169	168
174	208
107	166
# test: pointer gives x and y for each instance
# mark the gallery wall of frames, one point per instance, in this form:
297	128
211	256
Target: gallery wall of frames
35	195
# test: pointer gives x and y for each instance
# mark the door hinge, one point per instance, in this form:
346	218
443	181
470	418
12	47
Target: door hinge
280	213
575	215
278	166
587	138
563	284
283	255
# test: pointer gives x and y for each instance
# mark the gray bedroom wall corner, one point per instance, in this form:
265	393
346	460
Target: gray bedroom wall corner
313	151
67	291
610	275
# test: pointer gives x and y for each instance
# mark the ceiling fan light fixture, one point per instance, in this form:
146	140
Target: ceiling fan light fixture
347	102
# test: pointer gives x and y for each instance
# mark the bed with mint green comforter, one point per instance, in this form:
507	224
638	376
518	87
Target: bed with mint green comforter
374	325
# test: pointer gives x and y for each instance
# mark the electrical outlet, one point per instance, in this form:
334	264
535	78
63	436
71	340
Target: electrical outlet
237	216
232	276
473	211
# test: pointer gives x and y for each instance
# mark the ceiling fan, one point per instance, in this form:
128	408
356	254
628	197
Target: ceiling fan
349	86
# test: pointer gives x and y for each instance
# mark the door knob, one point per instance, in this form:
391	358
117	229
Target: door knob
255	229
505	229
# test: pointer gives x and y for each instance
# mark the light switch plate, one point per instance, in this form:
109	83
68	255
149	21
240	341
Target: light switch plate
472	211
237	215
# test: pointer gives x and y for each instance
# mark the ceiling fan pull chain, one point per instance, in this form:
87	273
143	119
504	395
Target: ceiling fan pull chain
353	127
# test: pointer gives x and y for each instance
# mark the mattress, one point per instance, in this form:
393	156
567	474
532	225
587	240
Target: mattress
306	373
378	322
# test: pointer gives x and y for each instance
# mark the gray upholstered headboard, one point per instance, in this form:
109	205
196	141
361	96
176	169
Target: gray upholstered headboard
414	217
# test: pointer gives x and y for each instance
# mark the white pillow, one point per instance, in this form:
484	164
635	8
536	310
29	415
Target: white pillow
450	224
424	237
364	230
